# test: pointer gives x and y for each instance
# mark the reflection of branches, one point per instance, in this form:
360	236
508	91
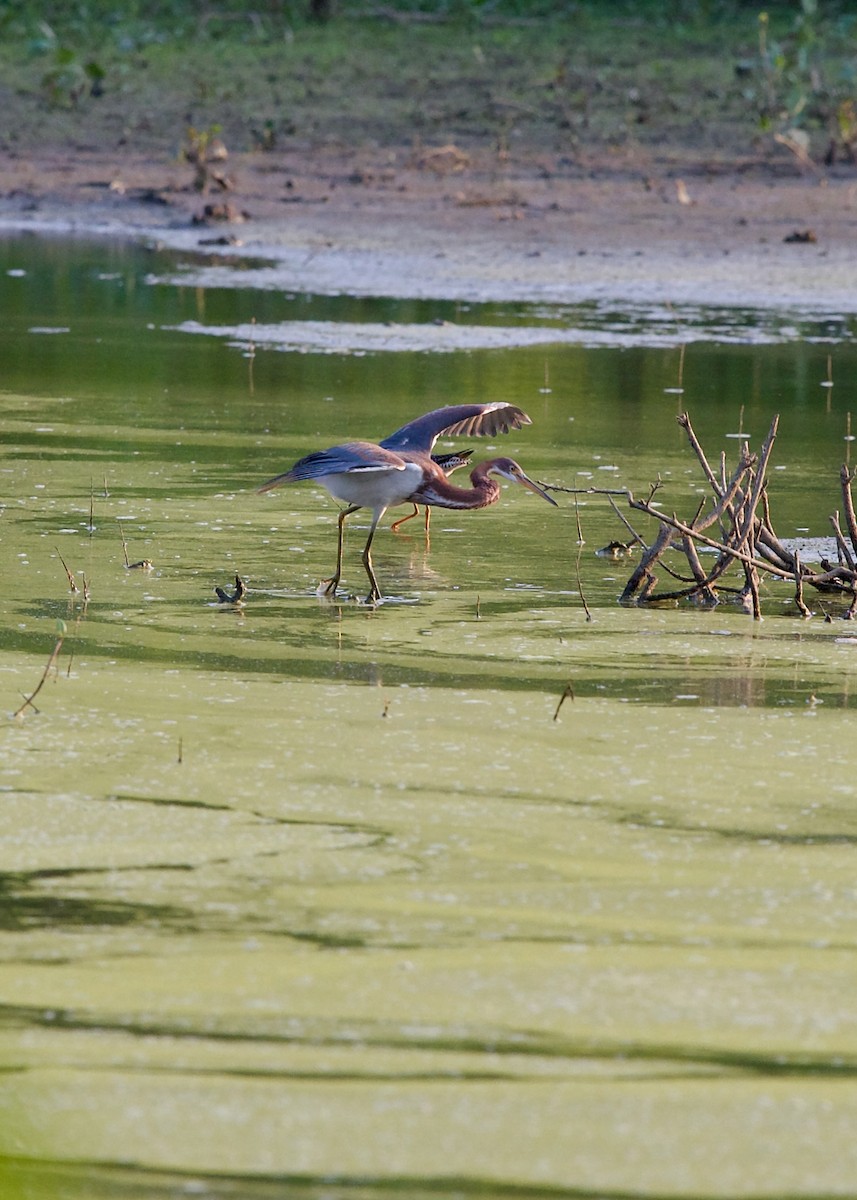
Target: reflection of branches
51	663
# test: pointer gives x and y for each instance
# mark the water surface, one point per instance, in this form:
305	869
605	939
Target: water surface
319	899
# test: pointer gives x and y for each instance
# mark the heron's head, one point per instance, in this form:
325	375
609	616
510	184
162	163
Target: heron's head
509	469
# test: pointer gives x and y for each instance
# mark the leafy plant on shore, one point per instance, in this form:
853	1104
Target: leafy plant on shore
206	153
799	93
843	141
69	76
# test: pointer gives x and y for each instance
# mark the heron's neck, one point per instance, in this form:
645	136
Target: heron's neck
440	492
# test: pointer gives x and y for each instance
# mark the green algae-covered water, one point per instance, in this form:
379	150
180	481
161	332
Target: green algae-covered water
314	899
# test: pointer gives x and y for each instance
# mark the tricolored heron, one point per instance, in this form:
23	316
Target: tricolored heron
400	468
447	463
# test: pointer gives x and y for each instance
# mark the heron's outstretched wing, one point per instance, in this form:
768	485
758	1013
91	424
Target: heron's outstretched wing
457	420
350	456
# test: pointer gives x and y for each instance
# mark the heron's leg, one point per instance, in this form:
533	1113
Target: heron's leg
394	528
428	518
333	583
375	591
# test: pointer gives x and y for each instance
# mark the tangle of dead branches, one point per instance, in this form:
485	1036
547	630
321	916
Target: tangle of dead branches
739	512
735	522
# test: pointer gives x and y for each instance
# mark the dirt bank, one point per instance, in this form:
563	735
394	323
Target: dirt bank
392	223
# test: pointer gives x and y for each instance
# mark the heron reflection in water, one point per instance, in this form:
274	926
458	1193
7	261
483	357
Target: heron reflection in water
401	469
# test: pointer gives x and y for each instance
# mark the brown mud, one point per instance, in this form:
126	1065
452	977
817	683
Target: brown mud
441	223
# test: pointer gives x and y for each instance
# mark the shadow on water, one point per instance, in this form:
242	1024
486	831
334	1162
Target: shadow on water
59	1181
21	910
488	1044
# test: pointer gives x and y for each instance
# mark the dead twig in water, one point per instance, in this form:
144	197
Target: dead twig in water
236	597
845	555
580	544
635	537
799	600
587	491
51	663
846	478
568	694
742	511
251	357
72	583
144	564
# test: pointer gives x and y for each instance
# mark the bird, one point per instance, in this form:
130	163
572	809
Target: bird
400	469
470	420
447	463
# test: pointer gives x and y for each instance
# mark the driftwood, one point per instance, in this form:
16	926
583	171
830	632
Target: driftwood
739	509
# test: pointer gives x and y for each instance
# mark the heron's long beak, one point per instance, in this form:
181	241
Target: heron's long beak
534	487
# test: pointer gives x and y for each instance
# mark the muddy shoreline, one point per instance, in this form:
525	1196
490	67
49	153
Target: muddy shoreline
528	234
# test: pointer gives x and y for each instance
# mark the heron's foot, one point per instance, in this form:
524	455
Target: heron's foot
397	525
328	587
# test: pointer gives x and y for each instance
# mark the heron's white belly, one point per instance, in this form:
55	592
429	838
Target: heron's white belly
374	488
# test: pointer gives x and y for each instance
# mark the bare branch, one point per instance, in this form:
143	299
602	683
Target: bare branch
731	551
846	476
799	601
643	575
51	663
845	555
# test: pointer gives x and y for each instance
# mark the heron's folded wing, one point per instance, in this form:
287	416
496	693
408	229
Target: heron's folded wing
337	460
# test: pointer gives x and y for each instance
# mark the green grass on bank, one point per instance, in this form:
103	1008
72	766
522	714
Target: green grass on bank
712	79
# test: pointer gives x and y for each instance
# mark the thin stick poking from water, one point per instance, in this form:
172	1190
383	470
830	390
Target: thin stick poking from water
72	584
568	694
51	663
144	564
635	537
580	545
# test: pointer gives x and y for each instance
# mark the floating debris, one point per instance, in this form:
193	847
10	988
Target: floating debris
615	550
236	597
